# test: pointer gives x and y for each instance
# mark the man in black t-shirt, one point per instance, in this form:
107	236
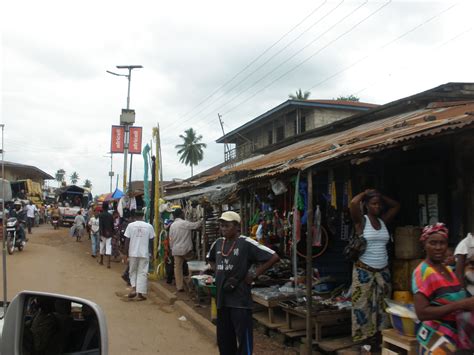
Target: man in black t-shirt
232	257
106	231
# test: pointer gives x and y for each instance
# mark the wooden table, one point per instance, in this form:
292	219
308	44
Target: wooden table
320	319
393	341
271	305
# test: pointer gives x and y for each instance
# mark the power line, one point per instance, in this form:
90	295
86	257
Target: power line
401	66
299	51
266	62
254	60
383	47
311	56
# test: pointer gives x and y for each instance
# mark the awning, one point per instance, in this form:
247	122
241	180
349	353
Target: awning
216	193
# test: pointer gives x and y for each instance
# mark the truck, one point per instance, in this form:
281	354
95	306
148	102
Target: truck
27	190
71	199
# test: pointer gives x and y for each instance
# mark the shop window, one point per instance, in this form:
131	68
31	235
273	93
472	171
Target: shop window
303	124
270	137
280	133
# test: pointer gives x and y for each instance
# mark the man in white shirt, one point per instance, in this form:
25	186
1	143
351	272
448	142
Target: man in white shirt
138	234
465	247
181	244
30	214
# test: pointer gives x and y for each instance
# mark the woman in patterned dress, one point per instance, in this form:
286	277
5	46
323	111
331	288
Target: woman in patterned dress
371	274
439	296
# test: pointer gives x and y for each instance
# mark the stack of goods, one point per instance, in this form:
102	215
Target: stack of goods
408	254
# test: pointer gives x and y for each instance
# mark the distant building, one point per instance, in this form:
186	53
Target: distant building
16	172
285	124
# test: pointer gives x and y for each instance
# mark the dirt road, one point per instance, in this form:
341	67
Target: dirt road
54	262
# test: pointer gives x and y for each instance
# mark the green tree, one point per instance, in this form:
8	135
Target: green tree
348	98
88	184
74	178
59	176
300	95
191	151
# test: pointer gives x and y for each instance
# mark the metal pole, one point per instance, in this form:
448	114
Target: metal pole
125	157
130	176
129	77
4	237
309	266
110	173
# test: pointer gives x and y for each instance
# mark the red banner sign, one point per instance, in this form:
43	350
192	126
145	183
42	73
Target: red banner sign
135	146
118	139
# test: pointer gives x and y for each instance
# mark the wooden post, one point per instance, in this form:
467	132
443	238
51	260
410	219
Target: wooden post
309	265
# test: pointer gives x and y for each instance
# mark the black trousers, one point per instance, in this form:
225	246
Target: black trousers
234	331
30	222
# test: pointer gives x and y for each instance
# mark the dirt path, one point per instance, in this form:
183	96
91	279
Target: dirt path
54	262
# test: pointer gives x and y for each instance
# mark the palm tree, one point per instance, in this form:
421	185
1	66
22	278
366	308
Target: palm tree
300	95
74	178
88	184
59	176
191	150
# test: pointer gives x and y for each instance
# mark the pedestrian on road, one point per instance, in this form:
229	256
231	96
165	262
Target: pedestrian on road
232	256
30	214
138	234
106	230
95	236
181	244
79	226
116	238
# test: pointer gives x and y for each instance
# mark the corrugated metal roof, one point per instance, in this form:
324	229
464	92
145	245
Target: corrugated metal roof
435	119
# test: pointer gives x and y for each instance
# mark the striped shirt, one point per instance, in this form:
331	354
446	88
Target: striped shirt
376	252
439	291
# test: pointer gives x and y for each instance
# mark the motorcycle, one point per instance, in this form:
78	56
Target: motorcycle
13	230
55	222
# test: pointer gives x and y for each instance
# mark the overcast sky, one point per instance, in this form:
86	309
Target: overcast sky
201	58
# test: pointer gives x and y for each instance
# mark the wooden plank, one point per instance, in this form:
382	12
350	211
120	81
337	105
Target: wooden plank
262	318
335	344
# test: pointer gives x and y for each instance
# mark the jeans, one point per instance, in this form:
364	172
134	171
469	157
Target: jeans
95	238
31	222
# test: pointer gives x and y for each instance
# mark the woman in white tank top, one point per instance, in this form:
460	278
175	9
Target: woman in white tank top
370	274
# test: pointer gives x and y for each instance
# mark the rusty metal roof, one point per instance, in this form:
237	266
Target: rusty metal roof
435	119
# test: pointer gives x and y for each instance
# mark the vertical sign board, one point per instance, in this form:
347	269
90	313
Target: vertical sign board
135	146
118	139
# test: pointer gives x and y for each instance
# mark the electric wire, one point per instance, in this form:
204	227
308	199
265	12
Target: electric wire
255	59
265	62
294	55
462	33
411	30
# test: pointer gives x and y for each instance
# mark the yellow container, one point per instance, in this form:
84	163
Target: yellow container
403	296
402	271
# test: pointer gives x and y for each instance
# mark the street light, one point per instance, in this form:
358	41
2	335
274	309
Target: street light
127	124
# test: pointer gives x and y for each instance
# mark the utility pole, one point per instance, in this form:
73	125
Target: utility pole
127	119
226	146
111	172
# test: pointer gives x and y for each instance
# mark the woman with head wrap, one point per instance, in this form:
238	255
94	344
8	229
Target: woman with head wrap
370	274
439	296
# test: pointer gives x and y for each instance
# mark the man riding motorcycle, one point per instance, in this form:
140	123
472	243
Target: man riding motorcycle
20	214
